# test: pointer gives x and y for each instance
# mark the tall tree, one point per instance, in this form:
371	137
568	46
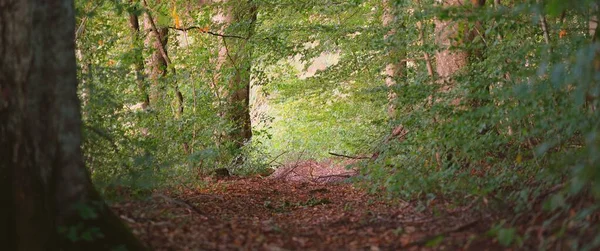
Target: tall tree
48	200
449	61
138	58
394	70
235	62
156	63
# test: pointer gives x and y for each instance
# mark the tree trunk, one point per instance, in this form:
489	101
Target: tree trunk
156	64
394	70
235	61
138	57
450	61
48	200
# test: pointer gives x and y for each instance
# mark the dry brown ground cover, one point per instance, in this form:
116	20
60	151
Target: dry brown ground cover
300	214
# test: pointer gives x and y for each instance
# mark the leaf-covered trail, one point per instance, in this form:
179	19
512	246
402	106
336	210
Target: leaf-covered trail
267	214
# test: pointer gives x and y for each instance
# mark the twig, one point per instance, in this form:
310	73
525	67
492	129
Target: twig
425	54
276	157
347	175
179	202
417	222
551	191
285	173
202	30
544	25
81	27
103	135
463	209
347	156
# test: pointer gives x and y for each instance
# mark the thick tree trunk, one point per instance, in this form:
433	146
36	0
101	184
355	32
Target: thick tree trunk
234	65
48	201
450	61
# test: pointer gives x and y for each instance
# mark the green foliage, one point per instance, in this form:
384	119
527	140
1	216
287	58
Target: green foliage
519	119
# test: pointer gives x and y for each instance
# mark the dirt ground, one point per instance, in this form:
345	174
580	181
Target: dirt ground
297	211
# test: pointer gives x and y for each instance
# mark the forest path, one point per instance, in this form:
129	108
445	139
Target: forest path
274	214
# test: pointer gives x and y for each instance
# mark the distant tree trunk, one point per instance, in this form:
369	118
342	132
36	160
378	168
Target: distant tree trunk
591	99
450	61
394	70
138	57
235	62
156	64
160	36
47	199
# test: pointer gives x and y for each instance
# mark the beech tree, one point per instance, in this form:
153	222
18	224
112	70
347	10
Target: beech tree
234	64
48	200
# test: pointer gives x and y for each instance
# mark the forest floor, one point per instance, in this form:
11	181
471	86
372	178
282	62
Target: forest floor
288	212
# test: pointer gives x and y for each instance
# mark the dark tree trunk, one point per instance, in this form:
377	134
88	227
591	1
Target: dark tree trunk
47	199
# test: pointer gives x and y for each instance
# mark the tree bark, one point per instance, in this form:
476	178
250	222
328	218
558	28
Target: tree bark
234	65
156	64
48	200
138	62
449	61
160	43
394	70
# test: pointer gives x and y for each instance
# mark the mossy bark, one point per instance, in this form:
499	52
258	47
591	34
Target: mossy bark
48	200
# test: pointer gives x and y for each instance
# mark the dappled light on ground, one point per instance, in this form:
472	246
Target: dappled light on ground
273	214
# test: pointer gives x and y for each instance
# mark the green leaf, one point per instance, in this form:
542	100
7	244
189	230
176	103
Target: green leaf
435	241
506	236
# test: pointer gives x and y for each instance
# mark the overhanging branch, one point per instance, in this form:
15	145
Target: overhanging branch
203	30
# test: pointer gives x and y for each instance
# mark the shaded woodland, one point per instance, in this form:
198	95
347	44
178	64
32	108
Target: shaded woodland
293	125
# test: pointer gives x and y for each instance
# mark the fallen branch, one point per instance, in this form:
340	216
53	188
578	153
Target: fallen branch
417	222
178	202
324	177
347	156
285	173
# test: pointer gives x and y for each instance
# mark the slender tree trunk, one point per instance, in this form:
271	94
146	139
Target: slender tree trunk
160	36
138	57
395	69
156	64
48	200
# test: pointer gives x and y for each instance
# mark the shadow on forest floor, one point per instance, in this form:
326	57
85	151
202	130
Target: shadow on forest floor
279	214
